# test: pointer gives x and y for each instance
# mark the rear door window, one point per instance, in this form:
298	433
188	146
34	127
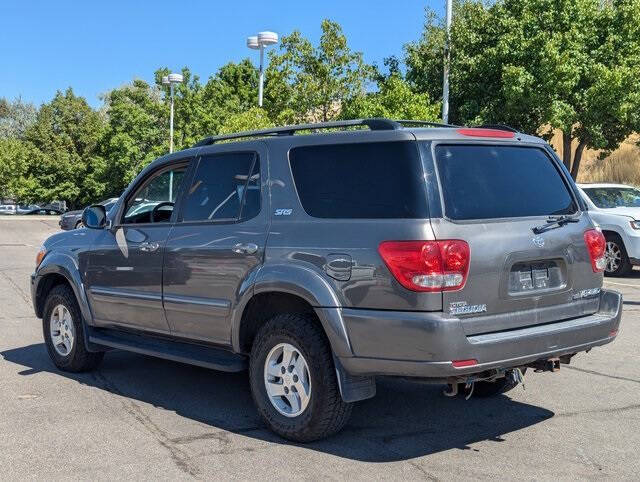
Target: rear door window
489	182
364	180
225	187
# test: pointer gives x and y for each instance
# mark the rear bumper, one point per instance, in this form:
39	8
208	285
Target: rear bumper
425	344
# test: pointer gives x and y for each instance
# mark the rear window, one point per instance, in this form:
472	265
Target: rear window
365	180
487	182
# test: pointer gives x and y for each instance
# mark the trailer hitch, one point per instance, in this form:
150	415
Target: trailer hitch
548	365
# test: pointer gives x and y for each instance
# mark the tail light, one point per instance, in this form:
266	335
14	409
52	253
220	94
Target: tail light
483	132
427	265
596	244
464	363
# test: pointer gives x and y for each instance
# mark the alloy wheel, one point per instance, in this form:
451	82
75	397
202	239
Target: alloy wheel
63	331
287	380
613	255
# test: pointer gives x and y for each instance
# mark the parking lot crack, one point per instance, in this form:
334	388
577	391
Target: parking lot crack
25	297
600	410
593	372
180	458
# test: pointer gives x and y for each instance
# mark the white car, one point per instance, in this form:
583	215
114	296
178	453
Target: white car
7	208
616	208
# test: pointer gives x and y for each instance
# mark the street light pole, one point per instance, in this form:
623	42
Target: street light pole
171	121
171	80
447	59
261	84
259	42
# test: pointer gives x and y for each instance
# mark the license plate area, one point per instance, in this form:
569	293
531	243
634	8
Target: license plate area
537	277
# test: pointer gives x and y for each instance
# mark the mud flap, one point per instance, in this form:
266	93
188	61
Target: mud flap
353	388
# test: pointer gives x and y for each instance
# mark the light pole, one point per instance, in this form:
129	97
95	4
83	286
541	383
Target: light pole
447	59
259	42
170	80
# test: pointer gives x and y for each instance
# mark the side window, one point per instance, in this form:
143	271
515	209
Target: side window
378	180
225	187
153	201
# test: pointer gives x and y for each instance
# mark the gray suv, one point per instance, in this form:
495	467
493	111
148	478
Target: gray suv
319	262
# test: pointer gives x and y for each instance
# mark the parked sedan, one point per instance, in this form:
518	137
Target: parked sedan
73	219
27	208
7	208
616	208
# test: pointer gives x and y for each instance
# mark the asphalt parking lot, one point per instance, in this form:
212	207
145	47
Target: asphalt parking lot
143	418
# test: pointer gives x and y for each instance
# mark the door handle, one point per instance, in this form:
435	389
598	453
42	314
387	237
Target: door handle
248	248
148	247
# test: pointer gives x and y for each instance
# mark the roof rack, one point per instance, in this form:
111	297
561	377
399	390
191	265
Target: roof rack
500	127
375	124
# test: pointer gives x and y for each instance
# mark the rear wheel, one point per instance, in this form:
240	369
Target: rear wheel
293	379
63	333
618	263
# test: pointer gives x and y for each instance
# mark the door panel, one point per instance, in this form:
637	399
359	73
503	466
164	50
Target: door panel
217	245
203	276
124	276
124	273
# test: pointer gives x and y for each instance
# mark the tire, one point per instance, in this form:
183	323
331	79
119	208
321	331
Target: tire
618	263
325	412
491	389
79	225
73	356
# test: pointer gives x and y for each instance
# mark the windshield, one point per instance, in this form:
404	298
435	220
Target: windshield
614	197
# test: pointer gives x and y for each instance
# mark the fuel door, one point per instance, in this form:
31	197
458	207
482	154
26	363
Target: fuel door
338	266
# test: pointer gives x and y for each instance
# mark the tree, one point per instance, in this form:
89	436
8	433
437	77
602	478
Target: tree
65	163
15	155
15	117
136	133
252	119
572	65
394	100
307	83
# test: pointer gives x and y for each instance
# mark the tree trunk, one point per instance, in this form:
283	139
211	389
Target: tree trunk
577	157
566	149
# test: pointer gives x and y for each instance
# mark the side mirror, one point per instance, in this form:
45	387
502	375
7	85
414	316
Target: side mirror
94	217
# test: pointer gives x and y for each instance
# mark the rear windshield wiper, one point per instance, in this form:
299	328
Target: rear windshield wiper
556	222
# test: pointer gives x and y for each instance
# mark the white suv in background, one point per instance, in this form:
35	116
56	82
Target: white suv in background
616	208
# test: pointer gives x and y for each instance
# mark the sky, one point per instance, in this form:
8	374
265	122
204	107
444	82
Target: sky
94	46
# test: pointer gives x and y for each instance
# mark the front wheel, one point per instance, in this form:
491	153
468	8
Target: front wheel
618	263
63	333
293	379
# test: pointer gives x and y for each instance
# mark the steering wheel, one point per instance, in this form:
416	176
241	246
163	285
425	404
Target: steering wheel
155	210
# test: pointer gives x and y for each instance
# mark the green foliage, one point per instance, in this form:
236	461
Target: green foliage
252	119
572	65
15	156
15	117
308	83
136	133
64	161
394	100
